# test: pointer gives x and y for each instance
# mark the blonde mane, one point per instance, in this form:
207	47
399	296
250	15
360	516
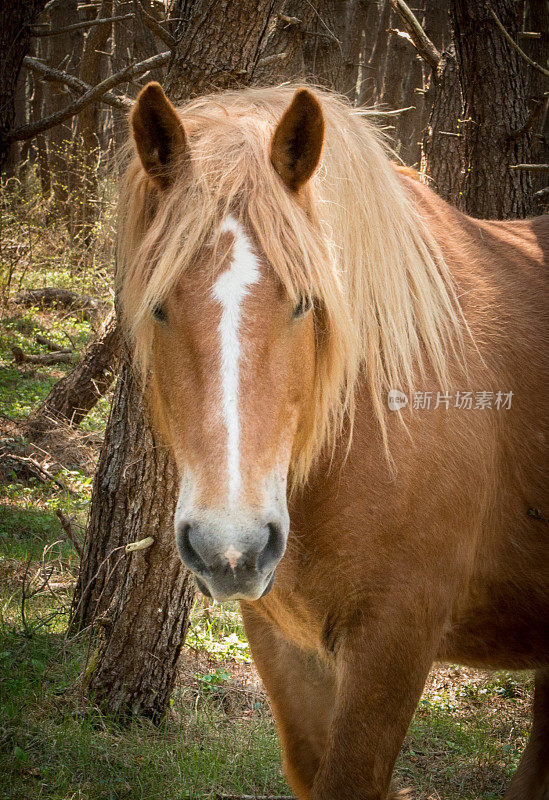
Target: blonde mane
384	302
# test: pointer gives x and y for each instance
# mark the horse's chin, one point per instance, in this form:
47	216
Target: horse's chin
207	593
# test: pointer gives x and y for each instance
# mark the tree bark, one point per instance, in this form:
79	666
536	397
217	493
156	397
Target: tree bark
145	598
219	44
65	51
491	75
73	397
84	194
283	51
323	51
536	19
442	156
132	42
15	20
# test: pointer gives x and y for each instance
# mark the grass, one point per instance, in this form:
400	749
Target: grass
218	735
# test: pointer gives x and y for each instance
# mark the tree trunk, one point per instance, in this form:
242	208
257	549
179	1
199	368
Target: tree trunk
15	19
219	44
283	51
537	20
324	44
84	195
442	157
491	75
133	42
65	52
143	599
146	597
73	397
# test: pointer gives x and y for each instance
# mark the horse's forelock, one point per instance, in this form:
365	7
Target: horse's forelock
384	297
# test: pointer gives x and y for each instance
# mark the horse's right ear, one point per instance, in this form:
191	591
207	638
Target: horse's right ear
159	135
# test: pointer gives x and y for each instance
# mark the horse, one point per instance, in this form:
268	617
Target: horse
350	374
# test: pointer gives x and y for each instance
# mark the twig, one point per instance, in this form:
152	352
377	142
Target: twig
67	527
289	20
420	40
154	26
513	44
44	358
58	76
391	113
264	62
528	125
531	167
36	30
24	597
123	76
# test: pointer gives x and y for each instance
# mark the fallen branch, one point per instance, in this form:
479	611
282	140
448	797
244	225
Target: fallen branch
51	346
75	394
515	46
36	30
94	94
531	167
36	469
52	296
43	358
58	76
420	40
66	525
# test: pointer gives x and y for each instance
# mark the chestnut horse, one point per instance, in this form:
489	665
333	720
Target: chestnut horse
351	376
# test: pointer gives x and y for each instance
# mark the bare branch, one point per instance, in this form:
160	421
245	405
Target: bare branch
531	167
516	47
529	124
153	25
58	76
36	30
420	40
94	94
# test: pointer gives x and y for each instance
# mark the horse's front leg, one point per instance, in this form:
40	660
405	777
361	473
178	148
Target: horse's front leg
382	665
301	691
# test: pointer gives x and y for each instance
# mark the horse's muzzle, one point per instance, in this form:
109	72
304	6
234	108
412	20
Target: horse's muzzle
239	568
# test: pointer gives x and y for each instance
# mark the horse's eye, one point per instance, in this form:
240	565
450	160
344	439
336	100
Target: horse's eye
159	314
303	307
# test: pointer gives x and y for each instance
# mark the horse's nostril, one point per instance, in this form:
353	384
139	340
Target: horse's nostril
274	549
189	555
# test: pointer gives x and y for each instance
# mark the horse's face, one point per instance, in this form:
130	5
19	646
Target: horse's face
232	369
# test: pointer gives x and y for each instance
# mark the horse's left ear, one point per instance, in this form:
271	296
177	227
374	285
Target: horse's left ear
159	135
297	141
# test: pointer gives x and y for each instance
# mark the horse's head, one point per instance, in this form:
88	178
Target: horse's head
233	363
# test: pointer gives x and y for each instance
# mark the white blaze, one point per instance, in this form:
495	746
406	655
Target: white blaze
230	289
